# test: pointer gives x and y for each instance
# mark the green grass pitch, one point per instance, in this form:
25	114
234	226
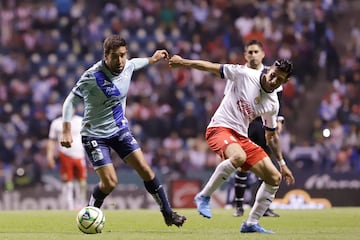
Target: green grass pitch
329	224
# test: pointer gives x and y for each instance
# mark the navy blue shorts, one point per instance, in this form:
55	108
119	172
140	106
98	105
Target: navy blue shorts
98	149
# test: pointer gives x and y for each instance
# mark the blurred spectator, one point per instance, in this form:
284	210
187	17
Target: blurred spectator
132	16
174	146
342	162
197	153
305	155
188	126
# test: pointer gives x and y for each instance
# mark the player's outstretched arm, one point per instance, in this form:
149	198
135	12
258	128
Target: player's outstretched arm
66	138
287	174
177	61
67	113
158	55
50	152
272	140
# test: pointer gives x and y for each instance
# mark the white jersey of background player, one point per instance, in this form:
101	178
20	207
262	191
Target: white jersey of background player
244	81
72	162
76	150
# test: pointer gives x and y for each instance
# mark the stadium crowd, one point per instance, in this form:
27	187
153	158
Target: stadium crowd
45	45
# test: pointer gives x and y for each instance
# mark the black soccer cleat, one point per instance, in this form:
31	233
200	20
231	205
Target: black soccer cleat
270	213
173	218
239	211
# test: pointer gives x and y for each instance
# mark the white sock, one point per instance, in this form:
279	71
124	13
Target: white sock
264	196
80	193
221	173
68	195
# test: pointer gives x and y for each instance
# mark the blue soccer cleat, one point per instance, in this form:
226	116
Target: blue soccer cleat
203	205
246	228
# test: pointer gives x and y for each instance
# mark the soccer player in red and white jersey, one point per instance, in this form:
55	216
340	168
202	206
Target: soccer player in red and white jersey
71	161
254	55
252	94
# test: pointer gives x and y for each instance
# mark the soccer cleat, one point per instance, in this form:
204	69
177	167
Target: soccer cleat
246	228
203	205
239	211
173	218
270	213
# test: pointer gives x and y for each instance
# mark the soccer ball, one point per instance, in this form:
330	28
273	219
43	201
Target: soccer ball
90	220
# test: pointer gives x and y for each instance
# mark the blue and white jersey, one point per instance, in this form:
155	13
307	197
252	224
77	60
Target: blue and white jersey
104	97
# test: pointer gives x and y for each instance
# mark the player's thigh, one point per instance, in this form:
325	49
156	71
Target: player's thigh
234	149
80	171
138	162
66	168
225	143
266	170
237	154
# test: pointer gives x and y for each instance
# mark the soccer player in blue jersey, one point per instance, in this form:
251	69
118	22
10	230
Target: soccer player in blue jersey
103	89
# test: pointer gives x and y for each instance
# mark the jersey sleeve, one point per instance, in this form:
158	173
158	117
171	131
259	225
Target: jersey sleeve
279	96
231	71
269	121
68	106
139	63
85	83
52	131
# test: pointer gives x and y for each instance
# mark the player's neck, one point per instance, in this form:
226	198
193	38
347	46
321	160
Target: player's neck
258	67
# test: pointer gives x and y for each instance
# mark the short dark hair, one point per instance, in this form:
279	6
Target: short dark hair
285	65
254	42
113	42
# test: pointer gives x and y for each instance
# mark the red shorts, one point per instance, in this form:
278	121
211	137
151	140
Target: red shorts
71	168
218	138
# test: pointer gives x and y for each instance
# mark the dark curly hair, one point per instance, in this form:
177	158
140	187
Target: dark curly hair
285	65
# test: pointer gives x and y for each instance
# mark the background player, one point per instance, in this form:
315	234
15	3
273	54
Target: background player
72	162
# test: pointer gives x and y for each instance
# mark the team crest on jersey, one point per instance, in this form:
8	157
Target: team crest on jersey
110	91
257	100
106	83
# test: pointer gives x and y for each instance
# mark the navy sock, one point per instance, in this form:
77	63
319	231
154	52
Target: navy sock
97	197
240	187
157	191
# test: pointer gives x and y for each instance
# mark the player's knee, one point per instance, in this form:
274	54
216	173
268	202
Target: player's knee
238	159
275	179
110	184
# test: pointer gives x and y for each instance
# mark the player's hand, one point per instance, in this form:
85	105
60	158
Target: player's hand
175	61
159	55
287	175
66	140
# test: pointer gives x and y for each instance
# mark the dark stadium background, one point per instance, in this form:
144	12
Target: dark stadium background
45	45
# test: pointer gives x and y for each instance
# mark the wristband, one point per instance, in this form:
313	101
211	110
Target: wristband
280	119
282	162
